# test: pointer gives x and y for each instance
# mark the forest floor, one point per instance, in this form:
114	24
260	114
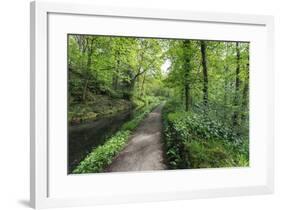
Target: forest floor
144	150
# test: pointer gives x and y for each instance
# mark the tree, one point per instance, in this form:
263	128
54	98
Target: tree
245	95
148	59
187	69
237	87
205	73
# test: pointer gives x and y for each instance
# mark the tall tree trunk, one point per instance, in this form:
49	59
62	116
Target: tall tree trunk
245	100
187	96
89	50
187	69
226	85
225	92
237	87
205	73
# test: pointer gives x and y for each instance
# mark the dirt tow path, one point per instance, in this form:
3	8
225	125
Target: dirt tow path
144	149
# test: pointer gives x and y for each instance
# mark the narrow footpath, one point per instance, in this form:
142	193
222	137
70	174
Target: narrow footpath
144	150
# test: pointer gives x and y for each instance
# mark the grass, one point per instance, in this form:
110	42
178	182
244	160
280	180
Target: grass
214	153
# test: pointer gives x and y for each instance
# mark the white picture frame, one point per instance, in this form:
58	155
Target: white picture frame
42	21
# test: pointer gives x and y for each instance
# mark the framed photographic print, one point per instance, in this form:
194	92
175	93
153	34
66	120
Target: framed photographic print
132	105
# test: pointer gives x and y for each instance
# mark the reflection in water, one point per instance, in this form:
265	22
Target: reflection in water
84	137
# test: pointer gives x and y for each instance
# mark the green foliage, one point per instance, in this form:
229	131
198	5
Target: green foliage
201	126
221	63
206	121
193	140
112	66
214	153
103	155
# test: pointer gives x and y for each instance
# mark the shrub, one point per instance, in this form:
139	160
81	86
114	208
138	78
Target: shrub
193	140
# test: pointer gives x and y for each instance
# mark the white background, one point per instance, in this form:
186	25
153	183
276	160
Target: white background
14	105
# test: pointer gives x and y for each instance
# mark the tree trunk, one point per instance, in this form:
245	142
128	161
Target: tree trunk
237	87
226	85
187	96
88	68
187	69
205	73
245	100
225	93
89	50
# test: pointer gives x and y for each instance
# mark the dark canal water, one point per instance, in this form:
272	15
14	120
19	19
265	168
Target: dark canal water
84	137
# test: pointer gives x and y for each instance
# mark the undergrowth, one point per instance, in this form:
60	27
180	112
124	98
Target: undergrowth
192	140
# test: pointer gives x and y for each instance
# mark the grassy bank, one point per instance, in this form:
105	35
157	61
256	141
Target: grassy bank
192	140
96	108
103	155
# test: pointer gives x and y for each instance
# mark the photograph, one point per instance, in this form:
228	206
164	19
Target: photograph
150	104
